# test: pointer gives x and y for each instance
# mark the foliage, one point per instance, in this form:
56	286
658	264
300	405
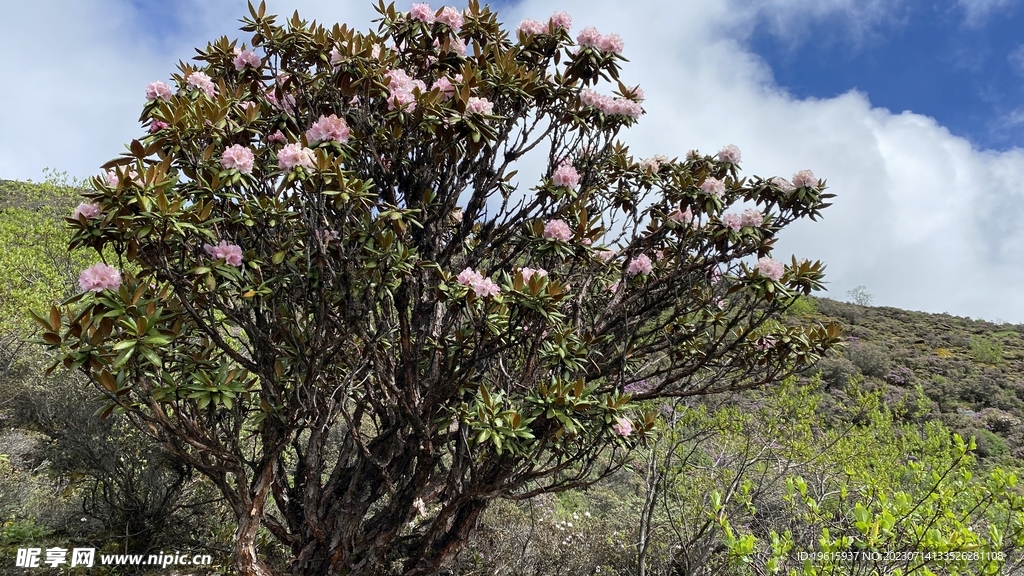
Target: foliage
860	296
986	351
324	294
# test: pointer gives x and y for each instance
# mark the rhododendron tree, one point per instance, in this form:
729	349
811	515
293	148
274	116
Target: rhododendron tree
327	288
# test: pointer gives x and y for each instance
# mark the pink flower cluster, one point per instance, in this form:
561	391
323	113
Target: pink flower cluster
113	180
400	86
804	179
479	106
480	285
732	221
444	84
231	254
713	186
238	157
752	218
245	58
158	90
558	21
277	137
421	12
293	155
623	427
328	128
611	106
99	277
782	184
557	230
729	154
451	17
678	215
530	273
591	38
566	176
604	254
203	82
639	265
89	211
770	268
157	125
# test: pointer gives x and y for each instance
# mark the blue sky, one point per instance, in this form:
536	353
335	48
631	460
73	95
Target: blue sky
912	110
960	63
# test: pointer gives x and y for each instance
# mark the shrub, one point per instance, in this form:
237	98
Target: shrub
870	359
986	351
324	289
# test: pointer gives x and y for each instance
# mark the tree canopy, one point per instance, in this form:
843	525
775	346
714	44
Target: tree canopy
330	282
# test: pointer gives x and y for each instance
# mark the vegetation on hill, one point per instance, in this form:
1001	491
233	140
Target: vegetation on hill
870	452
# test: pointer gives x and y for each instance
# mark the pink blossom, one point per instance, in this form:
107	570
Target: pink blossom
99	277
804	179
611	43
238	157
566	176
293	155
278	137
328	128
557	230
247	104
403	101
89	211
782	184
605	254
486	287
732	221
561	20
158	90
713	186
289	100
157	125
480	285
770	268
636	93
421	12
231	254
247	58
609	105
445	86
459	46
530	273
336	57
589	37
765	343
650	165
531	28
203	82
716	276
752	218
451	17
623	427
639	265
479	106
678	215
615	287
469	277
113	180
729	154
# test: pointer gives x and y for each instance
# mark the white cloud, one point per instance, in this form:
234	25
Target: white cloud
922	219
978	12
